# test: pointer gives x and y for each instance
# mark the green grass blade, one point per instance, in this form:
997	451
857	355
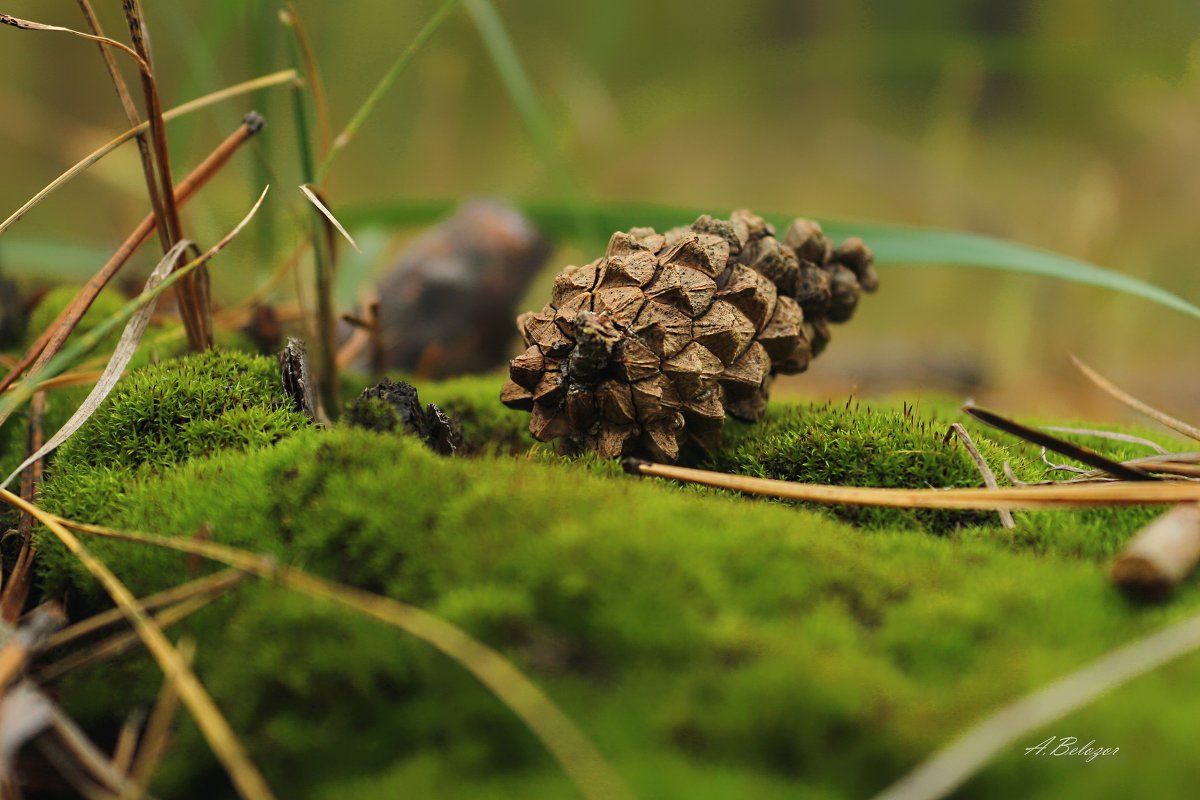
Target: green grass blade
893	244
896	244
385	83
537	121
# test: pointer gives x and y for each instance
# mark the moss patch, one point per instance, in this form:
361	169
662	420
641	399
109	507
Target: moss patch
712	646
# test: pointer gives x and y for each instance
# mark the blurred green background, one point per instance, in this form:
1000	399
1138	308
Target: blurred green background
1071	125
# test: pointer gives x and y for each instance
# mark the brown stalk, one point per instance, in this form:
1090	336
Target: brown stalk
193	291
131	113
1054	495
51	340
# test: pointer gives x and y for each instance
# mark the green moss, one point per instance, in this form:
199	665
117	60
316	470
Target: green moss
747	647
710	645
850	445
158	417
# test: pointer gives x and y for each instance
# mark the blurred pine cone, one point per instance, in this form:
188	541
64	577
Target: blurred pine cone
647	348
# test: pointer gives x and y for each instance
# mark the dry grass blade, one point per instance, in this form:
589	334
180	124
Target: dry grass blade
573	751
27	25
51	339
55	365
248	87
316	201
1056	495
1122	396
954	764
989	477
126	744
120	643
158	730
214	584
121	357
220	737
1078	452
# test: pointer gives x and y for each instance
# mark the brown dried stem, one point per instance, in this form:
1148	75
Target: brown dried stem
193	291
16	589
131	112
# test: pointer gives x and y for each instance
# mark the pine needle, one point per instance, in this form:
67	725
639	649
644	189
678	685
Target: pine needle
1074	495
316	201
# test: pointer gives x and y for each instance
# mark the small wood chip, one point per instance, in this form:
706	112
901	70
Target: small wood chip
1161	555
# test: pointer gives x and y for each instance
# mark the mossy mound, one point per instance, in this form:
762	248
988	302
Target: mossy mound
158	417
855	445
711	647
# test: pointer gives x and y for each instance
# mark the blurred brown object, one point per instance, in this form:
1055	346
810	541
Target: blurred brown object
446	307
12	312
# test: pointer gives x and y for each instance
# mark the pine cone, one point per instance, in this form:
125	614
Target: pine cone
648	348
